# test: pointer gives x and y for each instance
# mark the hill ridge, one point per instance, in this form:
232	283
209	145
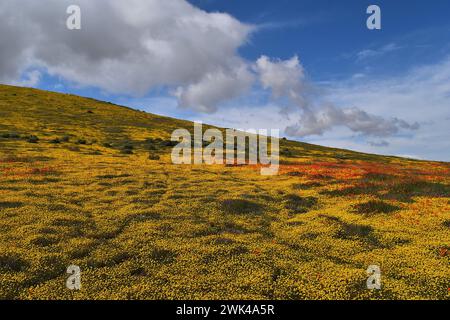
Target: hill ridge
48	101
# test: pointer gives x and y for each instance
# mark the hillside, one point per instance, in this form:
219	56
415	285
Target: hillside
89	183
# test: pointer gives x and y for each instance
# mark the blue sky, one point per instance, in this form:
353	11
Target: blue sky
380	91
327	34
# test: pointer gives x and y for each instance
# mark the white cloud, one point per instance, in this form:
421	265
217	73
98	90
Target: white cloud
30	79
283	78
372	53
213	88
127	46
355	119
420	95
246	117
287	79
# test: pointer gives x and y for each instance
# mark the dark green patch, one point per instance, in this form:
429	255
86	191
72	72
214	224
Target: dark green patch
310	235
238	250
306	186
241	206
153	157
10	204
138	272
215	228
58	207
49	267
321	177
114	259
79	252
10	135
379	177
295	223
295	174
163	255
374	207
67	222
354	231
33	139
113	176
359	189
223	241
405	191
43	181
12	262
286	152
297	204
126	151
47	230
44	241
81	141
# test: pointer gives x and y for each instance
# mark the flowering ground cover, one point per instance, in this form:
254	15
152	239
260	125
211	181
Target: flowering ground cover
88	183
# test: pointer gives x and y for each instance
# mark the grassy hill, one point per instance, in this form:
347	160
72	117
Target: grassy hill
89	183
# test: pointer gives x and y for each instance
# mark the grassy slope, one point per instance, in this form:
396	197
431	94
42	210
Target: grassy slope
141	228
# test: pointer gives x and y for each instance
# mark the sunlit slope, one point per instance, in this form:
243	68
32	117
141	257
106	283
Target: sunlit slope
50	115
89	183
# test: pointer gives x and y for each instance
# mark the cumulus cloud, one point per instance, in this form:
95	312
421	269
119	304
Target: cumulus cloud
284	78
204	96
128	47
287	78
419	94
354	119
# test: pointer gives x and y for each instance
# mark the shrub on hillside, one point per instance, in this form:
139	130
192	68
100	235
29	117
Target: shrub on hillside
33	139
127	148
286	153
81	141
11	135
169	143
153	157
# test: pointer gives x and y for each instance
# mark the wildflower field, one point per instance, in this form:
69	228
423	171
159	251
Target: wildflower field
88	183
